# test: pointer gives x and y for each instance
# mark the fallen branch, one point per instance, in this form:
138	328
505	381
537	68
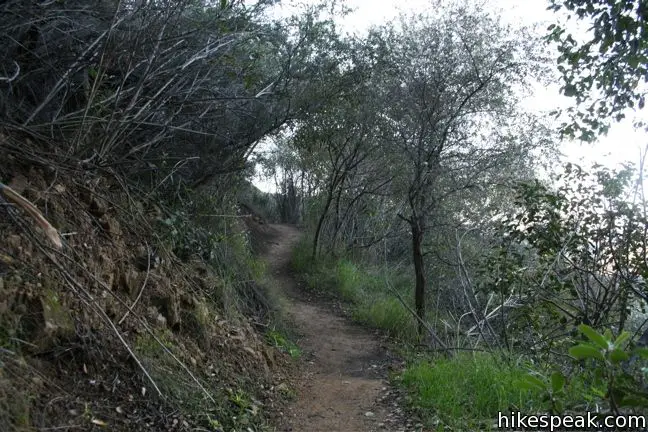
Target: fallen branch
148	271
13	77
29	208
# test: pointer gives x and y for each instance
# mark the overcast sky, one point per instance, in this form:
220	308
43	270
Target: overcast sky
621	144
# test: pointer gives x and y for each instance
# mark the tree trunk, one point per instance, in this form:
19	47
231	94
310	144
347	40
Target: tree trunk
419	271
320	223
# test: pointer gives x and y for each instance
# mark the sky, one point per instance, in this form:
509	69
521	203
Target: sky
623	142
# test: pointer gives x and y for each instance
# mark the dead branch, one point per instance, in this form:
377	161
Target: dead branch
148	271
429	329
17	199
14	76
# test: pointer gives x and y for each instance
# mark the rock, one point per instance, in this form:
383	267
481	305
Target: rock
169	308
161	320
45	321
369	414
98	206
152	313
129	282
56	316
110	226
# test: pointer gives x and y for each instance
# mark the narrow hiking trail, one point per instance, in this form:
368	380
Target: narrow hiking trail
343	385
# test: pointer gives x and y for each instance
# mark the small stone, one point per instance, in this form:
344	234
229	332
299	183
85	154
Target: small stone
369	414
161	320
98	207
110	226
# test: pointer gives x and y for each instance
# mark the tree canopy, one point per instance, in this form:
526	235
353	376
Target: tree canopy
606	71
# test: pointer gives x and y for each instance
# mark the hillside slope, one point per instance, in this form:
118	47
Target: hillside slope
115	331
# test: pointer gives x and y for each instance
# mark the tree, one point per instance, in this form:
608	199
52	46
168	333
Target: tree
571	254
447	88
607	72
338	142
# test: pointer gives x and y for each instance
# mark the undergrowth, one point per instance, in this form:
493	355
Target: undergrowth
282	342
462	392
467	391
174	293
369	291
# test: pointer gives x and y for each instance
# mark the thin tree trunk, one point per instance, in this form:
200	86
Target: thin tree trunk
419	271
320	223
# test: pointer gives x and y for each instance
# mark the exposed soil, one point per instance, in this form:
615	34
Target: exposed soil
343	384
69	316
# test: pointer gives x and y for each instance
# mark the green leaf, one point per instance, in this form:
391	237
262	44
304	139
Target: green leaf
557	382
641	352
531	382
634	401
223	4
617	356
581	352
570	90
594	336
624	336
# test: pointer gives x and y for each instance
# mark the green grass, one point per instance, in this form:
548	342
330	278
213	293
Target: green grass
466	392
281	342
366	289
387	313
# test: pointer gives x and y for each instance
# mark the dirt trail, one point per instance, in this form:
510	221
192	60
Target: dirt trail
342	381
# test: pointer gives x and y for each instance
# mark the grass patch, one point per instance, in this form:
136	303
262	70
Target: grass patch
467	392
387	313
366	289
281	342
